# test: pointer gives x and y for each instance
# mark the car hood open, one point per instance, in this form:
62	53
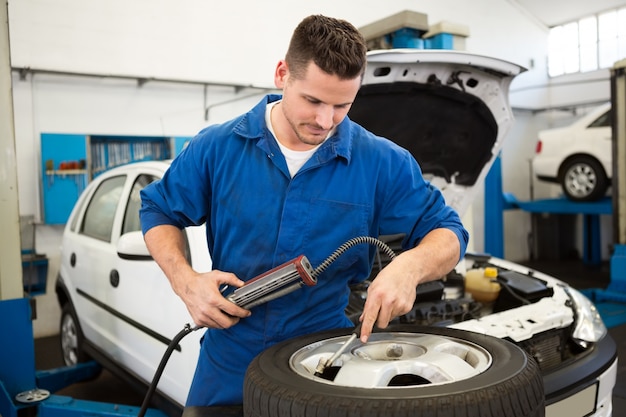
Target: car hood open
450	109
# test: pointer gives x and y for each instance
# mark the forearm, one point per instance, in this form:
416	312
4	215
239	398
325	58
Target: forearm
167	246
435	256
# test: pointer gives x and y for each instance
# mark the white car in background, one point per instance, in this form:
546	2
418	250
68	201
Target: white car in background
540	346
578	156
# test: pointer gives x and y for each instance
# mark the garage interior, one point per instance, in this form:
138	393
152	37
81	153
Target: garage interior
145	73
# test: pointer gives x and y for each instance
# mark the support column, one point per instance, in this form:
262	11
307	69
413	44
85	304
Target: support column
618	104
10	256
494	211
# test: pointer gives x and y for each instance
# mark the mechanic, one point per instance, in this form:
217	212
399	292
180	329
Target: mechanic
295	176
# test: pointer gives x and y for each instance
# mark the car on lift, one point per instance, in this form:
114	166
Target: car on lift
530	342
578	156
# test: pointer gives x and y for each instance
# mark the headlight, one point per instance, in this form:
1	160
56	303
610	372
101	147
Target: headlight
588	325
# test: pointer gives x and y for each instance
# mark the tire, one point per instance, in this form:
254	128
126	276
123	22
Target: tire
583	179
510	385
72	339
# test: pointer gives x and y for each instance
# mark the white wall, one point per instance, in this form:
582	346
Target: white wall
236	42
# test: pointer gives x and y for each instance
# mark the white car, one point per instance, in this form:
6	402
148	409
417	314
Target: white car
578	156
537	344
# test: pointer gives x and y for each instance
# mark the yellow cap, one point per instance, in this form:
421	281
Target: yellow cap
491	272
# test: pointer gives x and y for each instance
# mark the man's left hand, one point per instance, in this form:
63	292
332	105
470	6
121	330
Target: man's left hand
393	291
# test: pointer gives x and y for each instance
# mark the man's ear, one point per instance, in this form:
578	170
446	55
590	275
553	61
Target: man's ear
281	74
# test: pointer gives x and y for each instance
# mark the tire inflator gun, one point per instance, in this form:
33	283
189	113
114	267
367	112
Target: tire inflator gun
274	283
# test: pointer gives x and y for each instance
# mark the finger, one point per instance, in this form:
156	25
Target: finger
224	305
218	320
233	309
368	318
384	317
227	278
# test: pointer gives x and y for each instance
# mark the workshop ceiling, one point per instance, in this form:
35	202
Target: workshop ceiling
556	12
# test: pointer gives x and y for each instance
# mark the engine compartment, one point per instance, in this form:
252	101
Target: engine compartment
447	301
530	309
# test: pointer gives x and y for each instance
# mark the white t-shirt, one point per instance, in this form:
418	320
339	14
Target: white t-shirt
295	159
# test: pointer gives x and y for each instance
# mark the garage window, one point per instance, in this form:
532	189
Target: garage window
587	44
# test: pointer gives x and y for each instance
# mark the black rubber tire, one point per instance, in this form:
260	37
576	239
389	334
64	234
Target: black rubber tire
512	386
601	181
70	330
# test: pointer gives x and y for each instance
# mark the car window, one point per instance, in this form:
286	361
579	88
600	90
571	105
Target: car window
131	215
100	214
602	121
74	221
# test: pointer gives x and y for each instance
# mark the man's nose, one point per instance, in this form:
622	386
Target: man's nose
324	117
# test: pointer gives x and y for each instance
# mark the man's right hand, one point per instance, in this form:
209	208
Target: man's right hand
199	291
208	307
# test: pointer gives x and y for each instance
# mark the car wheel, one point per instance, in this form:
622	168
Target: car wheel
409	371
71	337
583	179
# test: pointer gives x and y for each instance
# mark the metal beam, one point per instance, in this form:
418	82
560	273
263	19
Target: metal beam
618	106
10	257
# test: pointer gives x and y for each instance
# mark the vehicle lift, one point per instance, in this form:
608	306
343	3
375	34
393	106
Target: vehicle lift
610	301
26	392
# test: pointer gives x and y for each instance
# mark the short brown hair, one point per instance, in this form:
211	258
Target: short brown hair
334	45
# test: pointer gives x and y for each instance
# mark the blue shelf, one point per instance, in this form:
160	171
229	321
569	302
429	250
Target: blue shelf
61	188
90	156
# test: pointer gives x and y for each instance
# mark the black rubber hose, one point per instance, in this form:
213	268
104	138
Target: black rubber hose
166	356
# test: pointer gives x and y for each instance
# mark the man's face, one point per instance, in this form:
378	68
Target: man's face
312	105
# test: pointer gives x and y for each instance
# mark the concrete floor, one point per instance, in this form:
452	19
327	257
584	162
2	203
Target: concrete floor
108	388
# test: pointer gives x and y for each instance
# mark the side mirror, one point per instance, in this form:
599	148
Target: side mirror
131	246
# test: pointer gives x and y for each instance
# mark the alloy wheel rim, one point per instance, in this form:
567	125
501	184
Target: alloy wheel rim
580	180
393	360
69	341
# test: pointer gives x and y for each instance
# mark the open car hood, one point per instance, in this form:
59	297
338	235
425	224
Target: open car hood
450	109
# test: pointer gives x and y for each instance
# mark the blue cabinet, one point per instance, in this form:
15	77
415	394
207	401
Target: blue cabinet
69	162
61	186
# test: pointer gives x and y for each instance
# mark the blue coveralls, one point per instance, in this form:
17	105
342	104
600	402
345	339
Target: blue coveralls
234	177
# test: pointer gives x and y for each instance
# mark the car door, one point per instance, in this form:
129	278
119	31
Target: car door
149	314
89	250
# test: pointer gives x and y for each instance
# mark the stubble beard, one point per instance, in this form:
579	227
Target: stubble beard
307	139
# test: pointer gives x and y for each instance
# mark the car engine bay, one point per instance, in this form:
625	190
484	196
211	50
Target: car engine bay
530	309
